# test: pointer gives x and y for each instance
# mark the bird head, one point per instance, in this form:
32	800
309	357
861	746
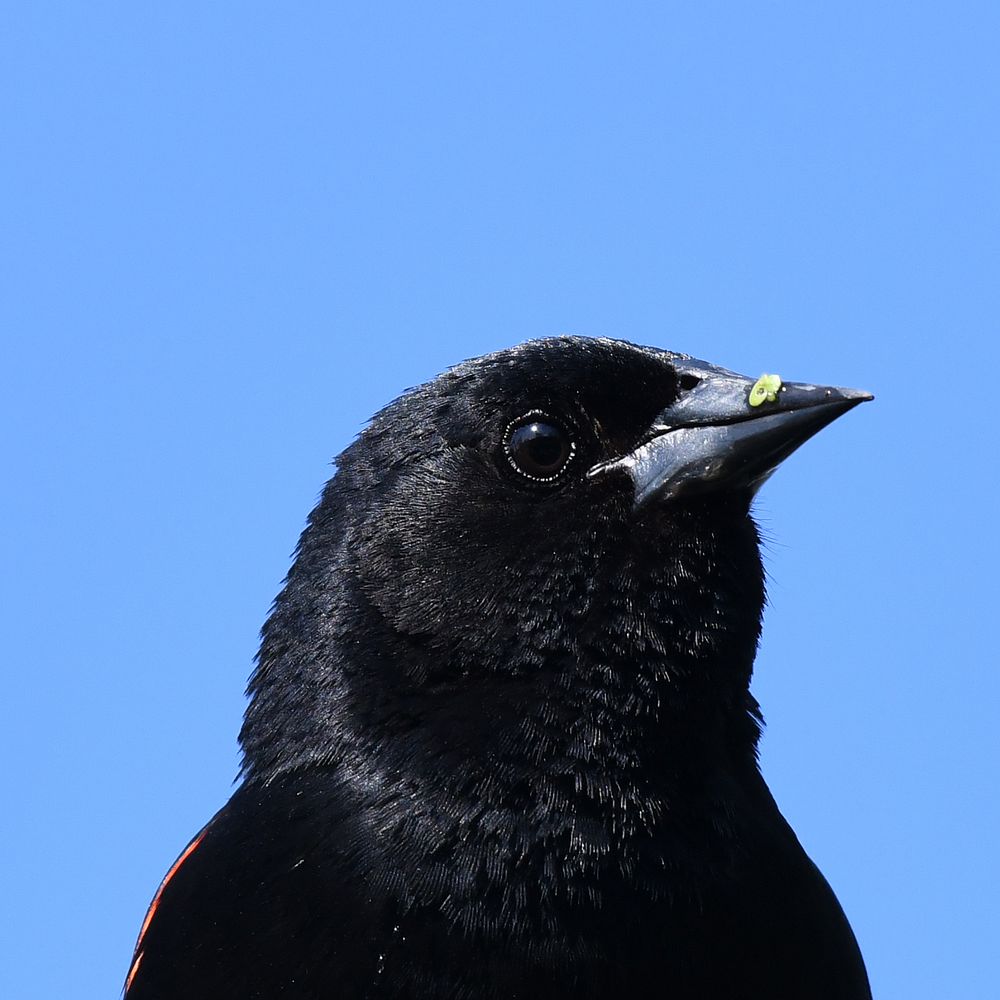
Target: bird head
544	555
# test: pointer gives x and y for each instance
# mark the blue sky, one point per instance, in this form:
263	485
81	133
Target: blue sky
232	231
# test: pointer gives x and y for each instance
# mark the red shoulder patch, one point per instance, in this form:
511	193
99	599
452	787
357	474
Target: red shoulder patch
151	912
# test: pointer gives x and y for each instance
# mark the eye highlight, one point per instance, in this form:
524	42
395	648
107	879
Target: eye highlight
538	447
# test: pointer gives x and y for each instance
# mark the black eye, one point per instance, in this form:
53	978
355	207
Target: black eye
538	448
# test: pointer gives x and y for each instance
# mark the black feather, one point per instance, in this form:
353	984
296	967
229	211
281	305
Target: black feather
500	740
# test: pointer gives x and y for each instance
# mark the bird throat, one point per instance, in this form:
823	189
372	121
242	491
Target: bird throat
615	737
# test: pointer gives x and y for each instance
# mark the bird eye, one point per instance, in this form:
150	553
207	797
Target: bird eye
538	448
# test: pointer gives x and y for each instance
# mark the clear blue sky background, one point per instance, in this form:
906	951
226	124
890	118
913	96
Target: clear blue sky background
231	231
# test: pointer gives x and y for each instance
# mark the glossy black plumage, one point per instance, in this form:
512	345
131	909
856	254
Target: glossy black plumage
500	741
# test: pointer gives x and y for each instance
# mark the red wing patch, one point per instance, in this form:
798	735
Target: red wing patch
151	912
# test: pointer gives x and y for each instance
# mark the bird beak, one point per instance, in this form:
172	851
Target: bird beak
727	431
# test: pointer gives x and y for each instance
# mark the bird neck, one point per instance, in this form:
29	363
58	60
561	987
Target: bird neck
599	663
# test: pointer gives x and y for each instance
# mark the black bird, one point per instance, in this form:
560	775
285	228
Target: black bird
501	742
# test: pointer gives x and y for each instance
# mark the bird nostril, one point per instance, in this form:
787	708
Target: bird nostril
689	381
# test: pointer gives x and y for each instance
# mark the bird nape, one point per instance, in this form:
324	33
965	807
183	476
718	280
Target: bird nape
500	741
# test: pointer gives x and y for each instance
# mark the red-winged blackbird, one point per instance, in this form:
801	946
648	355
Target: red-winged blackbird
500	741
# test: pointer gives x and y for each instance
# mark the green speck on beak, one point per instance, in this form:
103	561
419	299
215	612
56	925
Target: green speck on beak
765	390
